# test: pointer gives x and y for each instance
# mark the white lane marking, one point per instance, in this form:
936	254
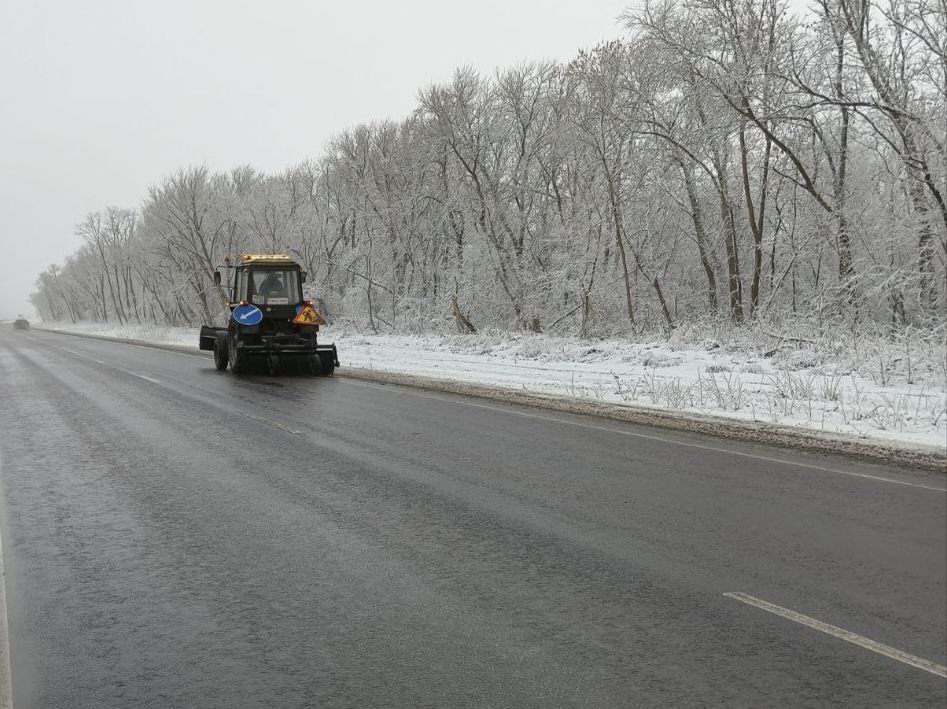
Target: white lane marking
846	635
144	377
649	437
6	682
164	349
274	424
157	346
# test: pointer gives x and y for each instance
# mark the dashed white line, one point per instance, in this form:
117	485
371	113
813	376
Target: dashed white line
274	424
846	635
143	377
268	422
164	349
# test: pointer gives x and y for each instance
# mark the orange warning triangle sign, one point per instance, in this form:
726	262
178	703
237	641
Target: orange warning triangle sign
308	316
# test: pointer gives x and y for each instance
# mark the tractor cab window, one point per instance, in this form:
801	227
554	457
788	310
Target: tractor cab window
274	287
241	286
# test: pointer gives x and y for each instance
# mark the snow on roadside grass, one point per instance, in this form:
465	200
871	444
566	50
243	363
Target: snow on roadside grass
785	388
165	335
824	387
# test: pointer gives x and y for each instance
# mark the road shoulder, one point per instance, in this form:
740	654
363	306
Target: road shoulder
916	457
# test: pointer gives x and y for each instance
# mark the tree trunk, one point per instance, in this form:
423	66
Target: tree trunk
733	256
700	234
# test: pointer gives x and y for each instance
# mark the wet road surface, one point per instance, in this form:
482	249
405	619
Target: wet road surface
176	536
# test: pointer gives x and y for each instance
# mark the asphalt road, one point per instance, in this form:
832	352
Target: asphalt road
176	536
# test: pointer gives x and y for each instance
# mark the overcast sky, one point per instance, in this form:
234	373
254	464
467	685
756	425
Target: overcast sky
101	98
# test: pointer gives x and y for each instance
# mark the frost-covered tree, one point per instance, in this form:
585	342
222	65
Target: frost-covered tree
723	159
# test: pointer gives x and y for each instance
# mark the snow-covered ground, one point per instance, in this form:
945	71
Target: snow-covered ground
894	393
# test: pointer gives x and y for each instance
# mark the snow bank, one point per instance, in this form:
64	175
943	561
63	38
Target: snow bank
165	335
894	394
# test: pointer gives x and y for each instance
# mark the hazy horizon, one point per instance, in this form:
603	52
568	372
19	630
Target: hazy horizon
109	97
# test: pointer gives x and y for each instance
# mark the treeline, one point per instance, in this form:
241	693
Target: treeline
724	159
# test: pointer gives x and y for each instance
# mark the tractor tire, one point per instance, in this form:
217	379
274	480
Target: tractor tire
272	365
221	352
327	363
315	365
239	364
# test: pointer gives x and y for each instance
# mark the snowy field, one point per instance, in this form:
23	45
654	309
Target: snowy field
874	389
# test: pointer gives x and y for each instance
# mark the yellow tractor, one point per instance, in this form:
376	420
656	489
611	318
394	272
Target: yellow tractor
269	321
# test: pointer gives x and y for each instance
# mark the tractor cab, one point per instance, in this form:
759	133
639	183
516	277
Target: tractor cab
273	283
268	280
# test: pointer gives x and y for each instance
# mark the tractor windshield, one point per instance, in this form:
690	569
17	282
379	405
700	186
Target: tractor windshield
274	287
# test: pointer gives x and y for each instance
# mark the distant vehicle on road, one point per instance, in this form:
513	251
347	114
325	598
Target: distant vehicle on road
269	319
21	324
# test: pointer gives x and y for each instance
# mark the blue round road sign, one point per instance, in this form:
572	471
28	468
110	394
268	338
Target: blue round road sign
247	315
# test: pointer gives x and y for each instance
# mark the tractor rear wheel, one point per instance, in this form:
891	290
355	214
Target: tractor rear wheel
238	363
221	352
315	365
327	361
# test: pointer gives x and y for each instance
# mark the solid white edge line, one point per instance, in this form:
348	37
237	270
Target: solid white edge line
6	681
846	635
